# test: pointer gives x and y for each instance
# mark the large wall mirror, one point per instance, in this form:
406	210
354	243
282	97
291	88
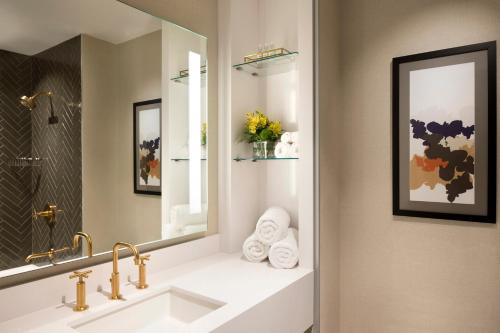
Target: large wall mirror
103	131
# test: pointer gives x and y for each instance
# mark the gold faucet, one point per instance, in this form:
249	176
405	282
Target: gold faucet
115	276
85	236
80	290
50	254
142	272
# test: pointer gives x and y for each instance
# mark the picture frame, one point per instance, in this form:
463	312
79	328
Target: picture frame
444	134
147	147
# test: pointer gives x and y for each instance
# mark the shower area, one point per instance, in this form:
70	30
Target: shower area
40	149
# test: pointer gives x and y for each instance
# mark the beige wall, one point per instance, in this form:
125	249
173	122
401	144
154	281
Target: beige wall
113	78
399	274
329	149
199	16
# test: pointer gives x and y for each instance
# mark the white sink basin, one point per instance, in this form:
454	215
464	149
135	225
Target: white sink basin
166	311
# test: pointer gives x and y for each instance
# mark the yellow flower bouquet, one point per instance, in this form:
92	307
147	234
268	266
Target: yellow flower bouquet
259	128
204	134
262	132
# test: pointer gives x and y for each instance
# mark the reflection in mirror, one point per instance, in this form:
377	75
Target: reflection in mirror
187	123
103	122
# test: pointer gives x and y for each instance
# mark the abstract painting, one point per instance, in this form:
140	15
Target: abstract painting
147	147
444	134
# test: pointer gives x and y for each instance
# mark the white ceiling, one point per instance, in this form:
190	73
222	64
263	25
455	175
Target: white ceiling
32	26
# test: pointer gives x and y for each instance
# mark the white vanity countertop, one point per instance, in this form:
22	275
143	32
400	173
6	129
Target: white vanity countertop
223	277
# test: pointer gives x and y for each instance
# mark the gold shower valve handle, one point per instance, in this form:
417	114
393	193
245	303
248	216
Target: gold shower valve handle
80	290
50	212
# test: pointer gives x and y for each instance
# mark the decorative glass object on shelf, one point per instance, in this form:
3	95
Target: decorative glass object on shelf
255	159
263	149
269	62
183	76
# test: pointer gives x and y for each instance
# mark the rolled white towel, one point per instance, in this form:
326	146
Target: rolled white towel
294	137
293	150
272	225
286	137
281	150
285	253
254	250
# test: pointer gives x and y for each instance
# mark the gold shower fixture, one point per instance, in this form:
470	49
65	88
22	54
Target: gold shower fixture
29	102
49	214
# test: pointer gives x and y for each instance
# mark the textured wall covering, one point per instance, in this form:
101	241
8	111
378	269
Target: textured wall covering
15	140
329	163
109	89
404	274
58	70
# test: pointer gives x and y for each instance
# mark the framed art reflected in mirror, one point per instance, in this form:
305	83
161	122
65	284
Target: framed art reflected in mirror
147	150
444	134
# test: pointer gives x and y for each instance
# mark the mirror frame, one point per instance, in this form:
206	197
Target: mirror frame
80	263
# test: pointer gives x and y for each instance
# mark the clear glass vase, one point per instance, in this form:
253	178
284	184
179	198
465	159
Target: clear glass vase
263	149
260	149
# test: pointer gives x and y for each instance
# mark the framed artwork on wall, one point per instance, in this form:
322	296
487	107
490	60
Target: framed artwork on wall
147	147
444	134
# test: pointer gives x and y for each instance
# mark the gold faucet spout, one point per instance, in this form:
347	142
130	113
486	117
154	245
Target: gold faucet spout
34	256
87	238
49	254
117	247
115	276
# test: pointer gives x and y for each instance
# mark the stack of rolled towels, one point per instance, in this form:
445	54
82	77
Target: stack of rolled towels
288	146
273	238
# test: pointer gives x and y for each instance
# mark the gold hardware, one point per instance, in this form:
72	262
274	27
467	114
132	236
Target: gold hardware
85	236
49	213
80	290
115	276
142	272
185	72
266	54
50	254
30	101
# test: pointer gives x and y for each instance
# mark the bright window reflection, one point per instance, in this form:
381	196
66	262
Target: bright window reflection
194	133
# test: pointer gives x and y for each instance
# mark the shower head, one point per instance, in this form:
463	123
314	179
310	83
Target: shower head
29	102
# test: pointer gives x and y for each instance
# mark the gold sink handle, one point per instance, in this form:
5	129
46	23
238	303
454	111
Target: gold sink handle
80	290
142	271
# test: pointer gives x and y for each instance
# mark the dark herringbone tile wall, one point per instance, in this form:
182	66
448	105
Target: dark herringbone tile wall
58	69
27	133
15	141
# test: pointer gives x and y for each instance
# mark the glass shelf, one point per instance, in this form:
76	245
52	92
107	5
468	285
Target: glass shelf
269	65
255	159
24	162
184	77
185	159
